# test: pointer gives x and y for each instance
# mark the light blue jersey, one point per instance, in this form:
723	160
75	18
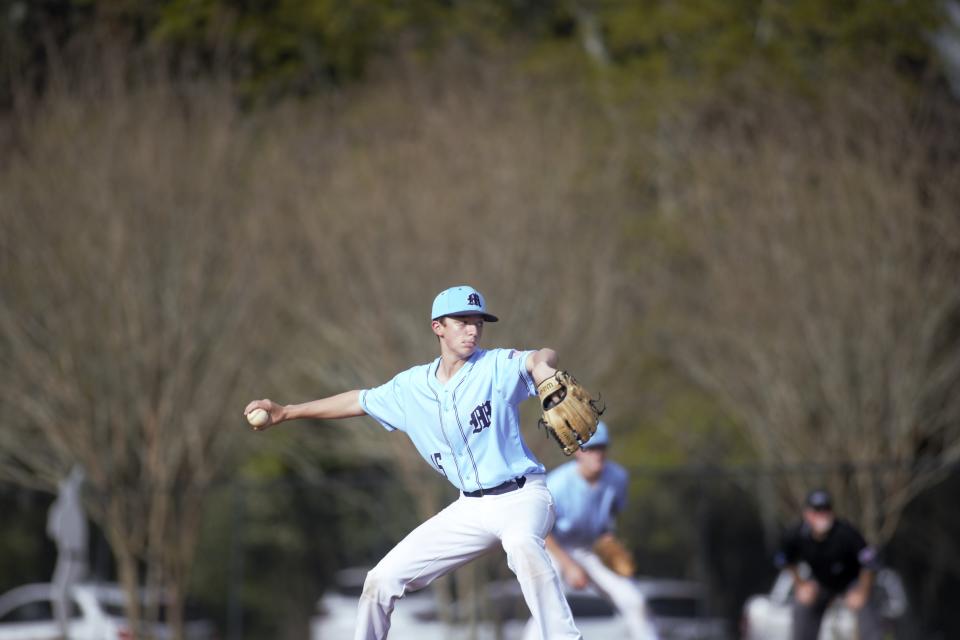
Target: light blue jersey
585	511
467	428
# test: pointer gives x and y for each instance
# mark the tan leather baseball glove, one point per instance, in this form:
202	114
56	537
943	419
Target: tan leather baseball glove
570	415
614	555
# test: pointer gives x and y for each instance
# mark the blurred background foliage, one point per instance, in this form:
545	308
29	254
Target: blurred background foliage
274	48
207	201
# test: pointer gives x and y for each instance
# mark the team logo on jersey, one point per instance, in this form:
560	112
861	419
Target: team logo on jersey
474	299
480	417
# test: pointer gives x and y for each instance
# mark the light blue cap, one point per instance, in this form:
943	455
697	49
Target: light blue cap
600	437
462	300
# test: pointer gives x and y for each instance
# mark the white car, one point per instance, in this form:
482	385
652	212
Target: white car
96	613
413	617
677	609
769	616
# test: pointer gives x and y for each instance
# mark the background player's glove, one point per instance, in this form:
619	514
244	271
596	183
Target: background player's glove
614	555
569	414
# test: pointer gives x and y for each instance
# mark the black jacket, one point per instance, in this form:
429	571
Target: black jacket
835	561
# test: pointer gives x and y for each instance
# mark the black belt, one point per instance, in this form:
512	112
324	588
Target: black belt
510	485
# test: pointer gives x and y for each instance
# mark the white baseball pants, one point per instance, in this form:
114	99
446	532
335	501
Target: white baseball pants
620	591
466	529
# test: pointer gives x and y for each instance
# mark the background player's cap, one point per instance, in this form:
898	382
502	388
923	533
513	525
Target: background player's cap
462	300
819	500
600	437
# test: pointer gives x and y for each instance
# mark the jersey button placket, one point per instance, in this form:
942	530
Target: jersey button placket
449	418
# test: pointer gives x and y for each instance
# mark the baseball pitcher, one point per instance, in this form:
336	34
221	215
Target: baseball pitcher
461	413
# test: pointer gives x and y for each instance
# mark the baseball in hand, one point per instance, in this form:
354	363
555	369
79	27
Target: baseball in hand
258	418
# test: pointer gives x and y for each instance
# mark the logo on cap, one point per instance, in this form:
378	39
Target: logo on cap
473	299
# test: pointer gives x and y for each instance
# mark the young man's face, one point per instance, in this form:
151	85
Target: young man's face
591	461
459	334
819	520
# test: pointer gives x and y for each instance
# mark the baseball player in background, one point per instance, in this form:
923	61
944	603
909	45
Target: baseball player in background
461	412
589	492
841	565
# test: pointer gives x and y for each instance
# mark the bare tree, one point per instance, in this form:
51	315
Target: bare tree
470	176
804	270
130	308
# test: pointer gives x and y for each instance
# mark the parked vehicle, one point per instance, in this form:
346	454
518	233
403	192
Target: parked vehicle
414	617
677	607
679	611
769	616
96	613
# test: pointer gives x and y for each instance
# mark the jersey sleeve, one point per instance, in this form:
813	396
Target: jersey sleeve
385	404
869	558
513	379
789	552
866	555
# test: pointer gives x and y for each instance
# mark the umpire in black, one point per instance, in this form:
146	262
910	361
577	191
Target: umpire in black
841	564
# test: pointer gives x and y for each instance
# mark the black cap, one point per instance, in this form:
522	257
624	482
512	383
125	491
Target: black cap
819	500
